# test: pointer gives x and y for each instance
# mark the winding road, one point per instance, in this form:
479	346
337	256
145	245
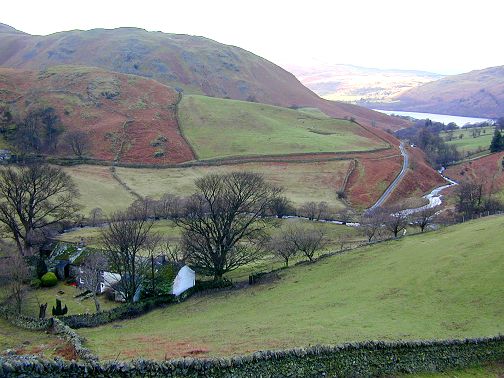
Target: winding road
396	181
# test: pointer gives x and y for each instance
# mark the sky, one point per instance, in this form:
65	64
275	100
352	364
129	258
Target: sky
442	36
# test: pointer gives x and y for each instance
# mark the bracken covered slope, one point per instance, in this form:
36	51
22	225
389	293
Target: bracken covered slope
196	65
113	109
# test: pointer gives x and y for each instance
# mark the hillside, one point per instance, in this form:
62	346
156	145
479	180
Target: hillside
486	170
123	115
196	65
343	82
477	93
429	286
221	128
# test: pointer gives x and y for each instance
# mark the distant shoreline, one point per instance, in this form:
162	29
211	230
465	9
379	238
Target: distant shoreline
445	118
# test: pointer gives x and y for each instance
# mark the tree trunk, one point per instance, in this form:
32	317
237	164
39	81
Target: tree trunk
96	302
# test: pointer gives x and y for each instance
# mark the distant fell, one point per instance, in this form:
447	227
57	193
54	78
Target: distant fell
477	93
344	82
195	65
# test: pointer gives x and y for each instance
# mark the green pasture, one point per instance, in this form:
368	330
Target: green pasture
443	284
222	128
468	143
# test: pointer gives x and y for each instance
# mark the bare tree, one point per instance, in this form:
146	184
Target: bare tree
306	240
123	239
371	223
14	270
96	216
425	217
169	206
142	207
309	210
151	247
91	275
314	211
396	220
282	247
281	206
470	197
79	143
223	225
174	251
343	240
33	198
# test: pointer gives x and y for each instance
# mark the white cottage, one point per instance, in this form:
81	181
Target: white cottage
185	279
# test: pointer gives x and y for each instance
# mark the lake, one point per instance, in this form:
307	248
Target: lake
446	119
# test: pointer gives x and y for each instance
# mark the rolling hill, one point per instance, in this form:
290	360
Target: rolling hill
477	93
343	82
428	286
195	65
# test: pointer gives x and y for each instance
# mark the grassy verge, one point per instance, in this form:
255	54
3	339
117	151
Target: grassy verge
444	284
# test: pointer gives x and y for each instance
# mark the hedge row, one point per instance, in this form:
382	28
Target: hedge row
355	360
133	310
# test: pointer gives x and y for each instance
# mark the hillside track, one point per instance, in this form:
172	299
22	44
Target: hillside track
386	194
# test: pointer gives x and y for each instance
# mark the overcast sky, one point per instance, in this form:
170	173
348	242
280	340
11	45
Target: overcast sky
444	36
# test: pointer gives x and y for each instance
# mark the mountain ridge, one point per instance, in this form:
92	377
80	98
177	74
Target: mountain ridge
195	65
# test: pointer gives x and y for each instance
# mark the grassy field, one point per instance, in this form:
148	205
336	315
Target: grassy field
66	294
29	342
442	284
220	128
99	189
302	182
468	143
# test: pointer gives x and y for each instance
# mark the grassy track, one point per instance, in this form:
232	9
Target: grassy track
437	285
302	181
219	128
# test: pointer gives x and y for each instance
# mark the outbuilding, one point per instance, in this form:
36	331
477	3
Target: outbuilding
185	279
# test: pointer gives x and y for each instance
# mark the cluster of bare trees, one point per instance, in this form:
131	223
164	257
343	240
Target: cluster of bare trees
383	223
295	240
39	131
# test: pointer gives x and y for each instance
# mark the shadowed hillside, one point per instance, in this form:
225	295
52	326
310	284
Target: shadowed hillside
196	65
